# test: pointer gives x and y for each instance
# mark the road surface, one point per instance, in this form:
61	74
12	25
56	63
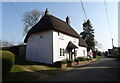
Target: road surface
105	69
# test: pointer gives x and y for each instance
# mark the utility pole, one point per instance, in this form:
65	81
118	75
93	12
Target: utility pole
112	43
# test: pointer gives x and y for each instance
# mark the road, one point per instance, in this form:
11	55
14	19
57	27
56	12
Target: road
105	69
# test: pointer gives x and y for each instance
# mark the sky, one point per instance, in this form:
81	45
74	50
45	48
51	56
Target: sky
12	24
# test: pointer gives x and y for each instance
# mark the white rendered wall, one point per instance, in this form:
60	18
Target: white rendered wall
62	43
40	49
81	52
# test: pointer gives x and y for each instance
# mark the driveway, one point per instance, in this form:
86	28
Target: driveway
105	69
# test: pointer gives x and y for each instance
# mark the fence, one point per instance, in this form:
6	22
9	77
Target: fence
19	51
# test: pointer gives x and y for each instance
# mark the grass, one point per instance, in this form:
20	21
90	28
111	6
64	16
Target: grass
29	71
97	57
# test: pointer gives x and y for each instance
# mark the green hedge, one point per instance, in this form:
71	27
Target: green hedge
88	58
61	62
70	61
8	59
77	60
81	58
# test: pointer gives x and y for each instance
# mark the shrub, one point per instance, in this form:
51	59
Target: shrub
98	57
70	61
99	53
88	58
77	60
81	58
61	62
8	59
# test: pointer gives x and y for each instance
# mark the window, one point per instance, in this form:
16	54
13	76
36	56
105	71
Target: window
61	36
58	33
84	52
31	37
62	52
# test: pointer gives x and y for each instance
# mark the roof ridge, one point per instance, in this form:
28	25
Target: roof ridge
65	23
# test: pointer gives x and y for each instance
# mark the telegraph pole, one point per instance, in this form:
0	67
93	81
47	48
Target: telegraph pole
112	43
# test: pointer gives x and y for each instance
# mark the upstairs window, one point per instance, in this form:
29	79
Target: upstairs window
62	52
61	36
32	37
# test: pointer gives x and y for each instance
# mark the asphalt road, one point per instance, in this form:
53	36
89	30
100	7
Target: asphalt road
105	69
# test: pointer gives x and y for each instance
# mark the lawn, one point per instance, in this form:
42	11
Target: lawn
31	71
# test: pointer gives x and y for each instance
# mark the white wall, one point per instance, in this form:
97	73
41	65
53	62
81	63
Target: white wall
40	49
62	43
81	52
47	48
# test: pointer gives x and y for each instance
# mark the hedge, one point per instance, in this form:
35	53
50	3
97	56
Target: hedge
8	59
81	58
70	61
61	62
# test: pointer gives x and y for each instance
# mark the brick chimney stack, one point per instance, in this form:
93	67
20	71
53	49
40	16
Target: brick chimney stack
46	12
68	20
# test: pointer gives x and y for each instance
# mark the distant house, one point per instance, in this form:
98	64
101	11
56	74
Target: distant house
52	39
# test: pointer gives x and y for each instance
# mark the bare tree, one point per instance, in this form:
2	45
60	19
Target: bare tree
6	43
30	19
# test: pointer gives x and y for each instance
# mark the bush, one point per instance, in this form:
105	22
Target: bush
81	58
70	61
61	62
88	58
77	60
8	59
99	53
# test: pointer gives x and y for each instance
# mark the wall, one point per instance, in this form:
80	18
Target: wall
81	52
62	43
39	47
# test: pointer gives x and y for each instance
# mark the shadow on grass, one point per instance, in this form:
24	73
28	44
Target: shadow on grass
31	76
25	62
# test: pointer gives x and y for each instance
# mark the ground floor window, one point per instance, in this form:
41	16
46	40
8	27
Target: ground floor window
84	52
62	52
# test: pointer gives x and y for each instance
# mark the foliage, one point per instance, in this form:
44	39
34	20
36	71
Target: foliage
8	59
77	60
88	59
81	58
5	43
118	57
70	61
88	34
61	62
98	57
30	19
99	53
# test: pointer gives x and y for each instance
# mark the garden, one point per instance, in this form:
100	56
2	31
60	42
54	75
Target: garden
22	70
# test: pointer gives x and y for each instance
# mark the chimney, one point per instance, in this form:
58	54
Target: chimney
46	11
68	20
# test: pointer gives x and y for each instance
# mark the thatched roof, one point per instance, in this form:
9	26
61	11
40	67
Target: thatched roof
49	22
82	42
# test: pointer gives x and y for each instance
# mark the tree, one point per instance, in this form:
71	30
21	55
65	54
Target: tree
6	44
88	34
30	19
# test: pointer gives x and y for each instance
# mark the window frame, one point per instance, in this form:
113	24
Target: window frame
62	52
